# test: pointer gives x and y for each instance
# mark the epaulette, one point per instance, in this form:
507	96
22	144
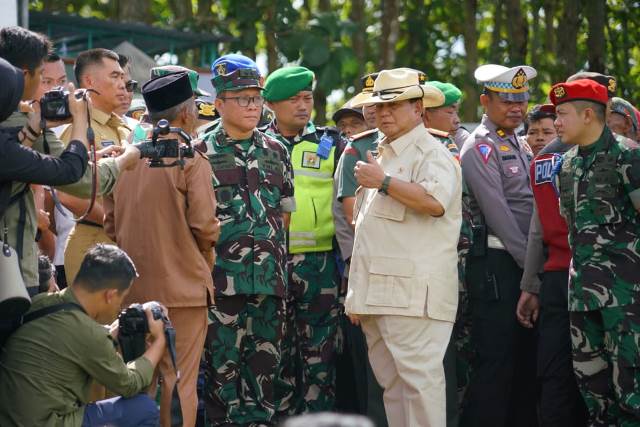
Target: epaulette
437	132
361	135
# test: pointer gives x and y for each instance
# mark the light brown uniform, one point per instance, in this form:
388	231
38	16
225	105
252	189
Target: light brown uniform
404	281
106	127
165	219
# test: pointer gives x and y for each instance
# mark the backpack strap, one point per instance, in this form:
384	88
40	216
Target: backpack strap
50	310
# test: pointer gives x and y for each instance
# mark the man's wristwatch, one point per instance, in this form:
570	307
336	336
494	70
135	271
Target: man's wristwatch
384	188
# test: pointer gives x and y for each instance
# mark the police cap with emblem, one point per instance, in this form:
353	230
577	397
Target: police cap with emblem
367	87
167	91
578	90
607	81
511	84
170	69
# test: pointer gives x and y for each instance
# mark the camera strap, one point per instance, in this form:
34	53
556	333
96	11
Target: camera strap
176	408
91	139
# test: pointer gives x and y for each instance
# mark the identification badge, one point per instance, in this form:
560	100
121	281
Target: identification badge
223	161
324	148
310	160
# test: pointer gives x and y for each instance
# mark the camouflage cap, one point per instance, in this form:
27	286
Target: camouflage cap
241	78
170	69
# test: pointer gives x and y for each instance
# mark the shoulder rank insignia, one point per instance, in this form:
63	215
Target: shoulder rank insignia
485	151
500	133
363	134
504	148
438	132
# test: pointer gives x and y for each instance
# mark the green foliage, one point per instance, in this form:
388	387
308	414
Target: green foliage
319	34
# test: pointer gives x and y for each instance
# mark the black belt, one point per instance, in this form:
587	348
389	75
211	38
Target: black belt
89	223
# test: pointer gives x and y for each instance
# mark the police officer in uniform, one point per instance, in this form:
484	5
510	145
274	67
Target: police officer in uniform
599	184
495	165
308	377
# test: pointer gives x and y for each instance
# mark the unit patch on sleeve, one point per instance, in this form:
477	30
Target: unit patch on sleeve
543	169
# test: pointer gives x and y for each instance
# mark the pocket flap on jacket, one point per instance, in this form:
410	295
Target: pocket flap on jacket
387	266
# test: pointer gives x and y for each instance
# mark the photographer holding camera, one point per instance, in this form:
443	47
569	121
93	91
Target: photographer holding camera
48	364
27	51
165	218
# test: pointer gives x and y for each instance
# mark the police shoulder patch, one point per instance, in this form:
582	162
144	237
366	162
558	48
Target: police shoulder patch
485	151
543	170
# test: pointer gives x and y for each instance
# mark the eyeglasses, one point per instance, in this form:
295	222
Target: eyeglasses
244	101
131	85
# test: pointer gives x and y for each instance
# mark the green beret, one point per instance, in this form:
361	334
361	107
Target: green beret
287	82
451	93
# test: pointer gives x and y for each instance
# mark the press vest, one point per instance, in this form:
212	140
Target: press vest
312	228
554	228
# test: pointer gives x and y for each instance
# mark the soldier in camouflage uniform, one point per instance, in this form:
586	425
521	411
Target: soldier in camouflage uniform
254	191
441	122
599	185
309	351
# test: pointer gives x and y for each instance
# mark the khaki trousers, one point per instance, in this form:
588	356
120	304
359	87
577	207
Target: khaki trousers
406	355
190	324
81	238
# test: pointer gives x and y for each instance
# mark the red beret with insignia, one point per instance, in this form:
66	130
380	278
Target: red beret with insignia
578	90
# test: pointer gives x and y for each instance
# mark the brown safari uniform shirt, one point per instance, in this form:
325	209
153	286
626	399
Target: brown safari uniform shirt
165	219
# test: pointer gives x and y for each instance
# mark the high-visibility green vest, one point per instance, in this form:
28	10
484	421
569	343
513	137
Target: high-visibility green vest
312	228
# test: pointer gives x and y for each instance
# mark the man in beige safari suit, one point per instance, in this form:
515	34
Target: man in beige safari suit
403	285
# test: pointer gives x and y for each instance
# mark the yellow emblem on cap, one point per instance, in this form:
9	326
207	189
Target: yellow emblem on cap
422	77
207	110
221	68
613	85
519	80
559	92
369	82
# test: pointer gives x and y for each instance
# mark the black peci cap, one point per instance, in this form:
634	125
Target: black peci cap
167	91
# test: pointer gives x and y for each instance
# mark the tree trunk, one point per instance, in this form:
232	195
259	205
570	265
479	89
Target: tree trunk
182	10
358	40
596	13
205	16
549	7
567	52
517	31
470	33
269	32
134	11
496	34
320	106
536	37
390	33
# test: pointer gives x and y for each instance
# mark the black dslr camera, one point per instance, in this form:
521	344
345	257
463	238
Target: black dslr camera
155	150
133	329
54	105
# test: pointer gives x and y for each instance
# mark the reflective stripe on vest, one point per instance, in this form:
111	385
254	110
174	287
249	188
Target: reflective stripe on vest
312	228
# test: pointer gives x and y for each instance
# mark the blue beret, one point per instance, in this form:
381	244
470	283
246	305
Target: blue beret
227	64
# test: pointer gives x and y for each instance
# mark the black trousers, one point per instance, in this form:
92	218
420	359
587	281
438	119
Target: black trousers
502	391
561	404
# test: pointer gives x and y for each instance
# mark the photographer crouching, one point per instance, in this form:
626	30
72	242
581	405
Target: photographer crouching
163	214
48	364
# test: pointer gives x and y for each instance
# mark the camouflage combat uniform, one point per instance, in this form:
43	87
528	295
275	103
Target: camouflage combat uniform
253	183
307	382
599	196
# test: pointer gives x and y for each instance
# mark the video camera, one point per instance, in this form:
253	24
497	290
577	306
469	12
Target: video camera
155	149
134	327
54	104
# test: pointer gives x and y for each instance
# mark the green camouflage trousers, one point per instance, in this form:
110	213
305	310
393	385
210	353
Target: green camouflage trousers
307	380
242	354
606	362
464	349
